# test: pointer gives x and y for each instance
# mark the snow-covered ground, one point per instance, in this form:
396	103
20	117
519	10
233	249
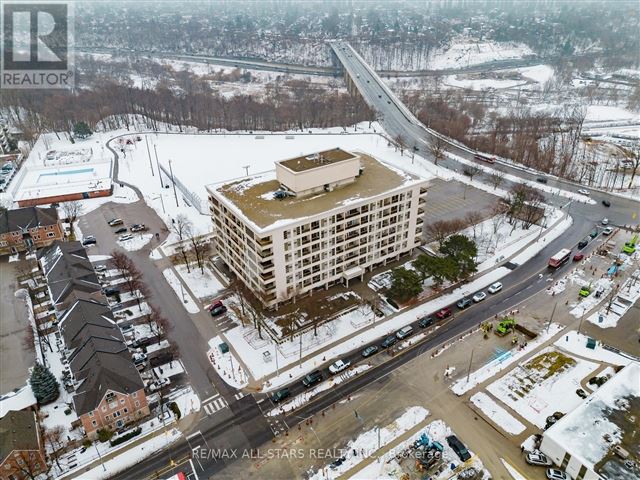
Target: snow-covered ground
497	414
503	361
226	365
626	297
536	392
367	443
183	295
202	285
576	343
137	242
464	52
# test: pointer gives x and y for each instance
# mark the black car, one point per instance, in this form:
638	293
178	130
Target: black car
111	291
606	203
458	447
89	240
370	350
219	310
280	395
425	322
312	378
389	341
541	180
121	230
583	243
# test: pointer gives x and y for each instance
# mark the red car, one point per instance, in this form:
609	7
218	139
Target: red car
578	256
215	304
444	313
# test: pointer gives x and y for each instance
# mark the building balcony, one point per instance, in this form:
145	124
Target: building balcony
264	242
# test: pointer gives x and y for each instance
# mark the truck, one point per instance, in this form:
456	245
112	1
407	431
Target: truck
585	291
630	246
505	326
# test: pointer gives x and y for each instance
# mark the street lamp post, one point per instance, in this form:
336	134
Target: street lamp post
174	183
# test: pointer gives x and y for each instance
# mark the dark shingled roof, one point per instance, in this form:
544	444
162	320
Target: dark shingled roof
18	431
67	268
99	358
25	218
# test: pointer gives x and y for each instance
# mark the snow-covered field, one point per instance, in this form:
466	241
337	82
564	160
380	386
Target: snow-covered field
536	390
576	343
202	285
497	414
183	295
464	53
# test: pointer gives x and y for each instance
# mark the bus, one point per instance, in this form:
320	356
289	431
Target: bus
484	158
559	258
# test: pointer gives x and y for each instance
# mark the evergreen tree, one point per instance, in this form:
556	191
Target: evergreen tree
44	385
81	130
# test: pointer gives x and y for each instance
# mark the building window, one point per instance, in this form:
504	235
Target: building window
134	394
49	234
91	414
122	401
137	404
107	417
104	408
126	410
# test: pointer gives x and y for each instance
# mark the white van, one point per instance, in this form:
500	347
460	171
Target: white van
404	332
495	287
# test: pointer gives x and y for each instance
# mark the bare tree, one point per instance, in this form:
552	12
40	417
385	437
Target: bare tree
438	148
158	324
54	436
612	295
496	179
400	143
441	229
183	228
634	158
472	219
72	210
200	247
131	275
472	171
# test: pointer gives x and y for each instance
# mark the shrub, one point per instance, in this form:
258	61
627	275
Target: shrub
86	443
104	434
126	436
67	411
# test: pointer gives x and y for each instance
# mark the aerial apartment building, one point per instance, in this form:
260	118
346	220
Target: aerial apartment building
315	221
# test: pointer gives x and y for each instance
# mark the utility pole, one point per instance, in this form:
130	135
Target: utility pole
275	344
551	317
470	362
158	165
581	318
300	361
174	183
146	140
246	170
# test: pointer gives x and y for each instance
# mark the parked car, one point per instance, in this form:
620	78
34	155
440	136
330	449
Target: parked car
578	256
581	393
370	350
605	221
214	304
109	291
458	447
464	303
541	180
554	474
312	378
138	227
159	384
606	203
583	243
607	231
125	237
404	332
478	297
379	313
218	310
539	459
115	221
389	341
89	240
582	191
444	313
100	268
425	322
594	233
339	366
121	230
280	395
495	287
126	328
139	358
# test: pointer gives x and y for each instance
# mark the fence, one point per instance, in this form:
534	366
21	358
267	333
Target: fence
190	196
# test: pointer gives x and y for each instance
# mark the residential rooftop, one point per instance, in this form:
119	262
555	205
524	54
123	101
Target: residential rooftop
253	197
315	160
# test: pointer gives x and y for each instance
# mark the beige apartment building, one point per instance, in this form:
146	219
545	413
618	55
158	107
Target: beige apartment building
315	221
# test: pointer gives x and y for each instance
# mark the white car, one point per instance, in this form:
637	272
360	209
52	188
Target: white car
495	287
582	191
478	297
607	231
539	459
125	237
554	474
605	221
339	366
100	268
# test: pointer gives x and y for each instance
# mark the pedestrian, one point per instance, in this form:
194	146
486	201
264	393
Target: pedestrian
521	448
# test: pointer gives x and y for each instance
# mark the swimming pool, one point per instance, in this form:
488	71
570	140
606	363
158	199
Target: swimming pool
68	172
